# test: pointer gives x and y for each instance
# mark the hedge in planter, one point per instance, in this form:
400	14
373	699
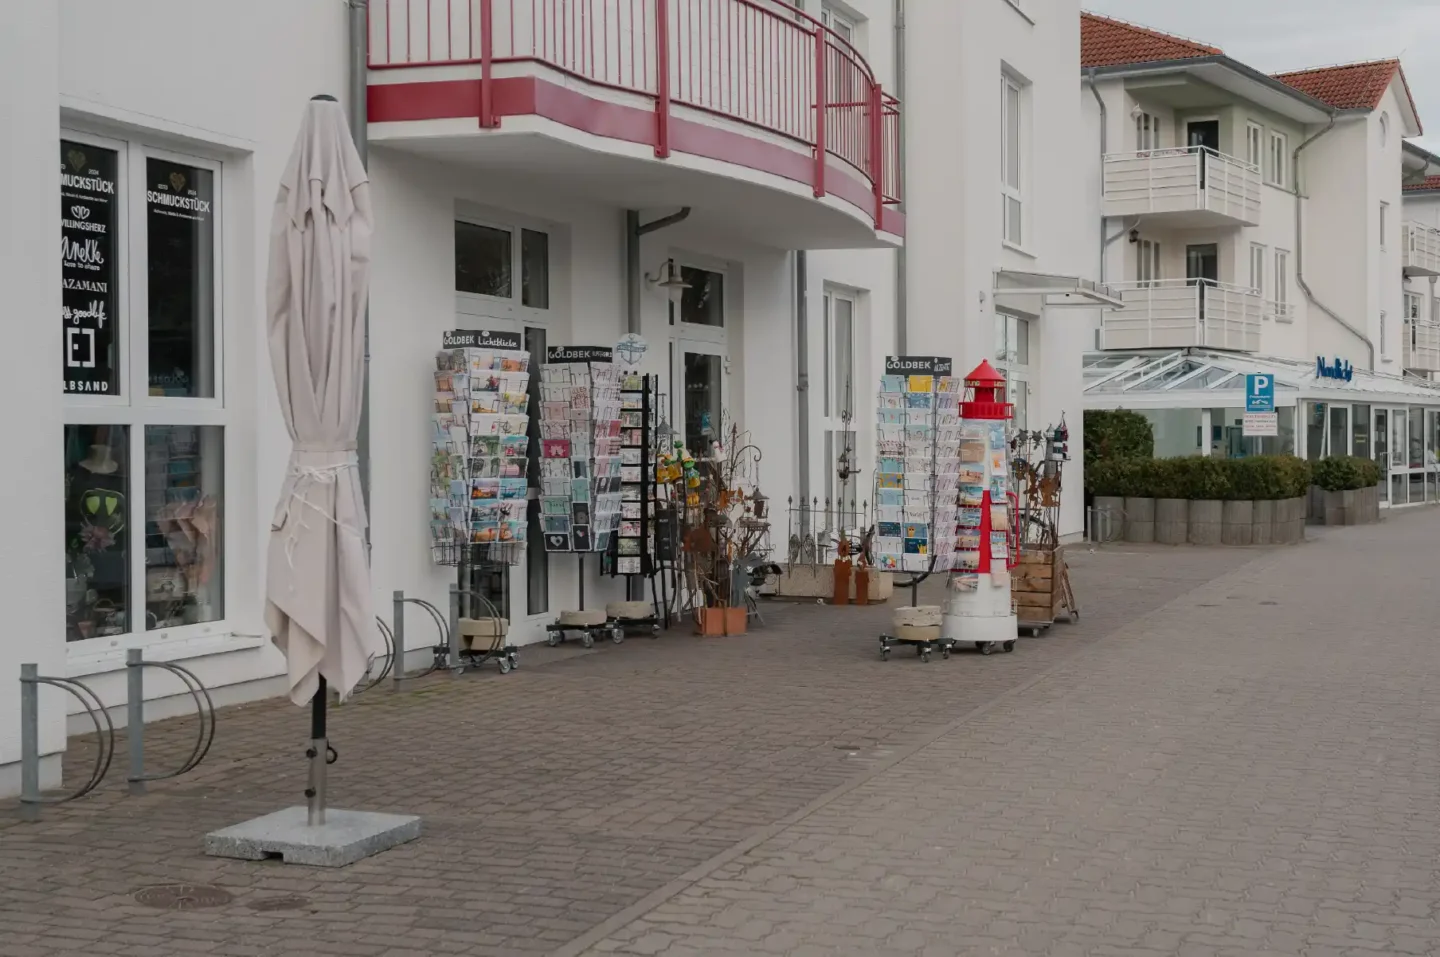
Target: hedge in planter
1203	478
1116	434
1341	473
1349	490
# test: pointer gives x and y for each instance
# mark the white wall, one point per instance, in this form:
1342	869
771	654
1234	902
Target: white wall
31	551
1340	216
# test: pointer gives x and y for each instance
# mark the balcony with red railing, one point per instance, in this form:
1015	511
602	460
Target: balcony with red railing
751	91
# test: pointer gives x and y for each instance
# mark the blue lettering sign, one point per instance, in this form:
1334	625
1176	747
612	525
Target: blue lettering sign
1335	369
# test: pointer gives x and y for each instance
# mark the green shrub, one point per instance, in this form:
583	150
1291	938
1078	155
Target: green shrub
1116	434
1340	473
1261	477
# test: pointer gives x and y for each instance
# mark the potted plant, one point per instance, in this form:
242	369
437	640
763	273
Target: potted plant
725	525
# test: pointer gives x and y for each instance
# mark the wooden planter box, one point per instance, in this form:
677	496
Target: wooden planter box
714	622
1037	584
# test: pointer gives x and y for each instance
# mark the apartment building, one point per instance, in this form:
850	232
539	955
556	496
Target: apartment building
1420	252
1254	224
740	182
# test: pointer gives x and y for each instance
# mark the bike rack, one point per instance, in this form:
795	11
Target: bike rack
30	797
135	665
1098	518
394	637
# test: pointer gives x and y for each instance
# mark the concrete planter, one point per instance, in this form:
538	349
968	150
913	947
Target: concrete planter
1172	521
1262	523
1109	517
1297	521
1206	518
1359	506
1139	519
1235	522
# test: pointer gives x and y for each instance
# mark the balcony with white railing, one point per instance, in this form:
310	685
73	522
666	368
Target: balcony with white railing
1421	250
1181	313
1422	345
753	92
1190	187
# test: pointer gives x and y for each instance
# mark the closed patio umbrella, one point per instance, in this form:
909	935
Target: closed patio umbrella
317	591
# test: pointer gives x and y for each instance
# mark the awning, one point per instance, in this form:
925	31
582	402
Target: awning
1200	378
1033	292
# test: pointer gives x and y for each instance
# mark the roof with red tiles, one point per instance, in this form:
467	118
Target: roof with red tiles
1430	182
1352	86
1108	42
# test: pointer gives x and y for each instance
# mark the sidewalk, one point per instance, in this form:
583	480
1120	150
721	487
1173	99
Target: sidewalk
553	798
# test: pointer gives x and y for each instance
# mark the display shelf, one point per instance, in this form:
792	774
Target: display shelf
580	448
918	468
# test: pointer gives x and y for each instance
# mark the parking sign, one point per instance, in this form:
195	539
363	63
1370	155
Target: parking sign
1259	392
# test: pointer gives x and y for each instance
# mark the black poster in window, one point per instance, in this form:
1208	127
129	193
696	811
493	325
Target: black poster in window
180	248
88	271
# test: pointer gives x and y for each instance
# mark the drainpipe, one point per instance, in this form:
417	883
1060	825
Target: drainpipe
1300	247
357	36
901	293
1104	150
633	231
802	384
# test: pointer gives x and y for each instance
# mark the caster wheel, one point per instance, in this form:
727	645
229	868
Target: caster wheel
985	648
617	635
587	640
457	672
514	662
945	653
1074	617
884	654
553	639
654	631
925	657
1009	647
504	666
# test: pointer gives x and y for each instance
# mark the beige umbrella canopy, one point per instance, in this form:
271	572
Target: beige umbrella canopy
318	603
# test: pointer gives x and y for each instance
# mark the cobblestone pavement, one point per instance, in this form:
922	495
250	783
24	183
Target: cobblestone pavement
1243	766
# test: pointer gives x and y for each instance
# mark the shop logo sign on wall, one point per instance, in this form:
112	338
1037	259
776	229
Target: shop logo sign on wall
1336	369
88	275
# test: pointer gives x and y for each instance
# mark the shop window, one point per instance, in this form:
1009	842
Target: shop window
485	258
1314	431
144	456
1360	432
703	303
1339	429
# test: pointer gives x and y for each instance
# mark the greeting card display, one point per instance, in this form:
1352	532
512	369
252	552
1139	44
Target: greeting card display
480	443
918	474
636	542
581	461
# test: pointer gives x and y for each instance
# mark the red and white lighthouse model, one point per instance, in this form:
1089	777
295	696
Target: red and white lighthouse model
978	608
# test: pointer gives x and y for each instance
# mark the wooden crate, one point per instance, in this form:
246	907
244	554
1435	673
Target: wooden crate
1037	584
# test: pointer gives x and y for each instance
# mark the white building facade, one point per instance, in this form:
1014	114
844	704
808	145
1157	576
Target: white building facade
1254	224
547	175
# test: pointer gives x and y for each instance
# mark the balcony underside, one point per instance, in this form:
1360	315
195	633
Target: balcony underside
750	184
1181	217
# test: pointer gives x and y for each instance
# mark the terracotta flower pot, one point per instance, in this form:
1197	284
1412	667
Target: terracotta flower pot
841	594
713	622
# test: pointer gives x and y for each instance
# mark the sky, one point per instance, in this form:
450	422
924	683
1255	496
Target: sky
1279	35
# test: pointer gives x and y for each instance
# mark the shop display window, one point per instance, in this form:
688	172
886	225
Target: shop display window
144	409
98	558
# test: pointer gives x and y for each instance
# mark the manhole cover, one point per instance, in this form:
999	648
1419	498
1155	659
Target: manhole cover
183	896
290	902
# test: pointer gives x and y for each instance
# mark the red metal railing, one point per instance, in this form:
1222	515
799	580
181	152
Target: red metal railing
751	61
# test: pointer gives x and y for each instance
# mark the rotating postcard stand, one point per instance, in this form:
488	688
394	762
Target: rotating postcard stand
978	607
915	490
580	471
478	485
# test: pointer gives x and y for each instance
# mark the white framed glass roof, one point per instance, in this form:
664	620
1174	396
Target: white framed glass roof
1196	377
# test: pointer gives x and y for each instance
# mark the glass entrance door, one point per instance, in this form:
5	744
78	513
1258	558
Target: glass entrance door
698	388
1399	463
1382	452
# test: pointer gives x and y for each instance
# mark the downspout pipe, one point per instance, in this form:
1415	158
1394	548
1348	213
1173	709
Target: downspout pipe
802	385
1104	151
902	298
358	27
634	229
1300	247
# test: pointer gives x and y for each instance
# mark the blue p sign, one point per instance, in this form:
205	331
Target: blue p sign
1259	392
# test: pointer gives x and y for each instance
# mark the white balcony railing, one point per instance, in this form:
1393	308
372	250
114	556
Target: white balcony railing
1422	345
1180	313
1193	184
1421	245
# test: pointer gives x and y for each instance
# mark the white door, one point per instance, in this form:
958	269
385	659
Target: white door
838	409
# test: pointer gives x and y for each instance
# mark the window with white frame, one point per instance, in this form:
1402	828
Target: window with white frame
843	25
1254	136
839	399
144	401
1384	223
488	255
1147	262
1147	132
1012	197
1012	358
1412	305
1278	167
1282	284
1257	268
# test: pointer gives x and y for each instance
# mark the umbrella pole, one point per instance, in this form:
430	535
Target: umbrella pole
318	753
